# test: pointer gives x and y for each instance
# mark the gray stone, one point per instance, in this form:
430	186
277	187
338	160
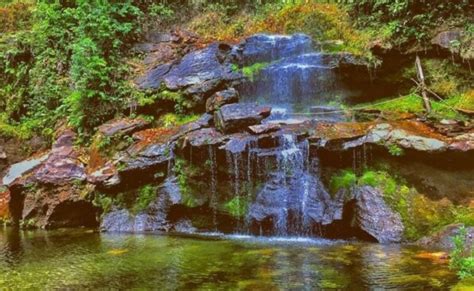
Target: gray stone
264	128
375	218
443	239
237	117
153	218
221	98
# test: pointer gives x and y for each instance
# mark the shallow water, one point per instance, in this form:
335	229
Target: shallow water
81	258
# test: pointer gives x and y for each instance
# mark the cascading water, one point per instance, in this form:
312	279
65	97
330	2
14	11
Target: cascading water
294	79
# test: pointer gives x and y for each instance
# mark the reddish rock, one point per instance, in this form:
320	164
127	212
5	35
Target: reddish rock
123	126
63	165
21	173
4	204
464	142
60	206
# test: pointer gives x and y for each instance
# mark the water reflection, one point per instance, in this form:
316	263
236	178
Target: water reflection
84	259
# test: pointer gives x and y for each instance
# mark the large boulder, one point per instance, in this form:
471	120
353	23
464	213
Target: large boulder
18	171
294	203
63	165
456	41
221	98
122	126
443	239
153	218
58	206
199	73
237	117
375	217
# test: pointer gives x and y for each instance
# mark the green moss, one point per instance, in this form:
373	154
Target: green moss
103	201
395	150
183	171
251	71
145	196
461	261
237	206
413	103
343	180
420	215
172	119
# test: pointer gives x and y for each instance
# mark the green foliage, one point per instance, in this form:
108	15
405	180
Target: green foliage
381	180
409	21
103	201
420	215
343	180
171	119
145	196
15	16
251	71
460	261
413	103
237	206
68	64
180	168
395	150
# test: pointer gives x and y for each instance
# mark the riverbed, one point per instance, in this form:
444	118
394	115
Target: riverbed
83	258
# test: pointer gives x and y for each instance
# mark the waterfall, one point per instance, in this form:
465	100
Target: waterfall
296	76
213	197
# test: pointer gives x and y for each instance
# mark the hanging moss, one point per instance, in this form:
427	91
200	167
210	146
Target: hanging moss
237	206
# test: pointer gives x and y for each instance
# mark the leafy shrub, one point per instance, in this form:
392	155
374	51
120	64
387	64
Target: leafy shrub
419	214
15	16
343	180
411	21
460	261
145	196
237	206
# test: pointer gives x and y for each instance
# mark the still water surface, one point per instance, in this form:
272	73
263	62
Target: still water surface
83	258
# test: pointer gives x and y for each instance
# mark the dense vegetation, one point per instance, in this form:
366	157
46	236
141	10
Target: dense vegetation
73	58
72	62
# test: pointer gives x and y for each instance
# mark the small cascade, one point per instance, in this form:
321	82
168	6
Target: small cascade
296	77
213	197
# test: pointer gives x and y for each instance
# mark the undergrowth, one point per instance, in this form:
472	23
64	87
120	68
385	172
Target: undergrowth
419	214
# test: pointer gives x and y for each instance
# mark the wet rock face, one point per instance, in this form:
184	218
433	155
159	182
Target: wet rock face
443	239
221	98
294	204
375	217
266	48
61	206
237	117
153	218
199	73
62	165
